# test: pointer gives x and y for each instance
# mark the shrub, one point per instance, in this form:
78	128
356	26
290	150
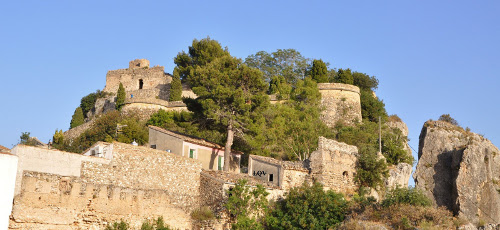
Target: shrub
77	118
410	196
448	118
370	171
25	139
157	224
203	213
244	201
122	225
308	207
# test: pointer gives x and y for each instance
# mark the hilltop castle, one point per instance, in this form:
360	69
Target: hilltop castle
148	89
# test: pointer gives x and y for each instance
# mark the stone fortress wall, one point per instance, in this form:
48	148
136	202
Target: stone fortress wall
341	102
60	190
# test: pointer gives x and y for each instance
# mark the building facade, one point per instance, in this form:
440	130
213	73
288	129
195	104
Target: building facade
210	154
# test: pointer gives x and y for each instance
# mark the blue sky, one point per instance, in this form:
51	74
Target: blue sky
431	57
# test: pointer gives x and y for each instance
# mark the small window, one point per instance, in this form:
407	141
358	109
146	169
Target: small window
153	146
191	153
271	177
141	83
92	153
220	163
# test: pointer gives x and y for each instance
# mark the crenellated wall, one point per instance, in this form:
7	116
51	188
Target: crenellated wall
60	190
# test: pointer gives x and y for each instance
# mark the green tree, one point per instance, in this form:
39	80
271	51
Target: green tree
289	130
176	87
245	201
77	118
365	81
201	52
228	93
370	170
344	76
308	207
58	138
87	103
371	107
26	139
120	97
288	63
319	72
133	130
280	87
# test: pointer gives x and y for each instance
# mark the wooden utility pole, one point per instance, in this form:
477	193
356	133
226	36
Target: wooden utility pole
379	136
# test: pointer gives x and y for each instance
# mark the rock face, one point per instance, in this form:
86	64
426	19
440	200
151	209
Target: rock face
459	170
399	175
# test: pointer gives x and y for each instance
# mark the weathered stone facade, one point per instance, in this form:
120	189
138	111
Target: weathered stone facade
60	190
459	170
341	102
284	174
334	165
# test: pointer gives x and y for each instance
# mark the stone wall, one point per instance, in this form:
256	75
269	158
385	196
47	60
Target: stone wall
152	78
333	165
341	102
60	190
49	201
8	170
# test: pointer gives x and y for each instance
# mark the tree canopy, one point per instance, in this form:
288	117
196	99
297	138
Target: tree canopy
288	63
229	92
77	118
319	72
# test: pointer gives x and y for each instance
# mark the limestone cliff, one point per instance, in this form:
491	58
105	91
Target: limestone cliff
399	175
459	170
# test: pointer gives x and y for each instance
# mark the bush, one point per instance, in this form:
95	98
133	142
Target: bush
87	103
122	225
203	213
157	224
410	196
371	171
308	207
449	119
245	201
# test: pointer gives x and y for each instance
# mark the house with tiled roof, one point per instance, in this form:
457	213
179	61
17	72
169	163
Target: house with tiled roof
210	154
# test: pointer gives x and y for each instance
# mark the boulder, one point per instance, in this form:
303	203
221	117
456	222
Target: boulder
459	170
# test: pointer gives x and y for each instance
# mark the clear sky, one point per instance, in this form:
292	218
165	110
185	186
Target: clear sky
431	57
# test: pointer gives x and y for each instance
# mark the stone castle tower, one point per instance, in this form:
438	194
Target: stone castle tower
147	90
341	102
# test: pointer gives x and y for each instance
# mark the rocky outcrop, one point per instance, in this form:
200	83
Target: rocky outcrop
102	106
399	175
459	170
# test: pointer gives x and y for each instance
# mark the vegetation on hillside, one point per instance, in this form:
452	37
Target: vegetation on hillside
77	118
87	103
109	127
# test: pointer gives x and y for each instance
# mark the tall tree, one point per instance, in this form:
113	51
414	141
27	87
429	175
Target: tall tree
77	118
344	76
176	87
201	52
229	92
120	97
288	63
319	72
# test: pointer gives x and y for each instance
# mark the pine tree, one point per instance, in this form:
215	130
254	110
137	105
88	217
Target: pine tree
319	72
176	87
77	118
120	97
344	76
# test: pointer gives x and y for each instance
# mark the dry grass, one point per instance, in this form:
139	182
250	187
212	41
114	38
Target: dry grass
405	217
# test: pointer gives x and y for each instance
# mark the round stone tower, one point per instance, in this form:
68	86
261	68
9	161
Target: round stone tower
341	102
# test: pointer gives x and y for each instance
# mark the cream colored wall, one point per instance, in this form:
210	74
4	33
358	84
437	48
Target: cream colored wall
8	170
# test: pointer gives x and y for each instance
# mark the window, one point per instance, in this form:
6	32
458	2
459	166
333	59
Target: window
141	83
153	146
191	153
220	163
271	177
